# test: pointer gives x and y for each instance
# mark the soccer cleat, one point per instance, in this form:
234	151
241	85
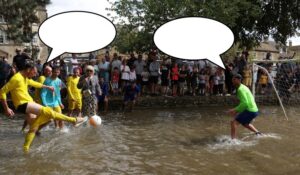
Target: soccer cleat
80	121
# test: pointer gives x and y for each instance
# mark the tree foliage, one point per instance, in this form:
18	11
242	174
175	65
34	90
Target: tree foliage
19	16
250	20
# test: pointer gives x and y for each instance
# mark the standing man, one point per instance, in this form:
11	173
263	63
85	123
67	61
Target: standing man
246	111
139	67
154	74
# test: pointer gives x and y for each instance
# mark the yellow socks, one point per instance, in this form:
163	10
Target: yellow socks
28	140
49	113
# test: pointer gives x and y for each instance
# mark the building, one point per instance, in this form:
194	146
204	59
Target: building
294	50
260	52
8	48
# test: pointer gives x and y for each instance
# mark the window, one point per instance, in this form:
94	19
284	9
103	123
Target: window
35	39
2	19
2	37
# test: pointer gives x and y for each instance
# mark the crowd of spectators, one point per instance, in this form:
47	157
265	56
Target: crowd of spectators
155	75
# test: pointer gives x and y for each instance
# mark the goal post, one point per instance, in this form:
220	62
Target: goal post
277	81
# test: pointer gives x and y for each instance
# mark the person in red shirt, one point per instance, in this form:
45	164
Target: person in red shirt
115	81
174	78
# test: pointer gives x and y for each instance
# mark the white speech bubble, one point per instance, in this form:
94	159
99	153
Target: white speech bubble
194	38
76	32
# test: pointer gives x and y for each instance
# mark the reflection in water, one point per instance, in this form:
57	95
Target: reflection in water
168	141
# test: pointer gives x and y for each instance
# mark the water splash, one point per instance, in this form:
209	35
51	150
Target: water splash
224	142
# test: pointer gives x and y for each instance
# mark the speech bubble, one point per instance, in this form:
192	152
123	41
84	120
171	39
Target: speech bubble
194	38
76	32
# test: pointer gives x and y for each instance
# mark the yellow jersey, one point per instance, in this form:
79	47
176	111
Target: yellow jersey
73	92
18	88
37	92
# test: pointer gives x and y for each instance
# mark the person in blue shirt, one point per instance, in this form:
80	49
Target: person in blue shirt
103	98
53	99
130	95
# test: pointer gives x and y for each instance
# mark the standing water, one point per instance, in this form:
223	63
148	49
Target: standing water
166	141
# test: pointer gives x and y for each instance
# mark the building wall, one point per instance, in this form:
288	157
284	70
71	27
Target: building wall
10	47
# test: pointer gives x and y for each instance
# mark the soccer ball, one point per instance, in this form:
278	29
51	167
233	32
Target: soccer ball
95	121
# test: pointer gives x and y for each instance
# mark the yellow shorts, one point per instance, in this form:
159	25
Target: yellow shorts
56	109
77	104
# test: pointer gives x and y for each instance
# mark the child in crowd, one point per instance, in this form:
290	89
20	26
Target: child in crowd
132	74
115	81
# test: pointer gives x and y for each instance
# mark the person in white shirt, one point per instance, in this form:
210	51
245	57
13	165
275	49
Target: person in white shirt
124	73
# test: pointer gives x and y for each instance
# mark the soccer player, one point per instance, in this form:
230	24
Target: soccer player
246	111
74	94
53	98
36	114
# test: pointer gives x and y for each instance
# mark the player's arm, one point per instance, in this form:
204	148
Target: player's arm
5	89
39	85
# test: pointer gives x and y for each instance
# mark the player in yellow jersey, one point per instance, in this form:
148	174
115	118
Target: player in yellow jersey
37	94
36	114
74	94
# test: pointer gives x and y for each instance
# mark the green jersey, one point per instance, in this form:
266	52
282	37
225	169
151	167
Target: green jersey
246	98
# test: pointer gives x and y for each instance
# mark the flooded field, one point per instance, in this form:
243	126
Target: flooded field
165	141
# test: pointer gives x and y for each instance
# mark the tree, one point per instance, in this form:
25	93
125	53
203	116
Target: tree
250	20
19	16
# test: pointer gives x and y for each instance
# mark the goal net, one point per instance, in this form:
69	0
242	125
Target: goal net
277	83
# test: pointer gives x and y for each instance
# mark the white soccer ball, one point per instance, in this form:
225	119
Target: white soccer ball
95	121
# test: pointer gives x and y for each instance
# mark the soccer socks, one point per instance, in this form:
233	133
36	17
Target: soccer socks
28	140
49	113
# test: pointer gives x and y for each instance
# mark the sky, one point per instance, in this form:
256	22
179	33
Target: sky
98	6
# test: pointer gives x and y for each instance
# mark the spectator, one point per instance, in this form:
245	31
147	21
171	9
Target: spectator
145	79
182	79
124	74
194	80
131	60
263	80
116	63
39	66
115	81
139	66
103	98
90	88
247	76
154	73
104	69
228	78
132	74
165	78
202	82
174	77
5	71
